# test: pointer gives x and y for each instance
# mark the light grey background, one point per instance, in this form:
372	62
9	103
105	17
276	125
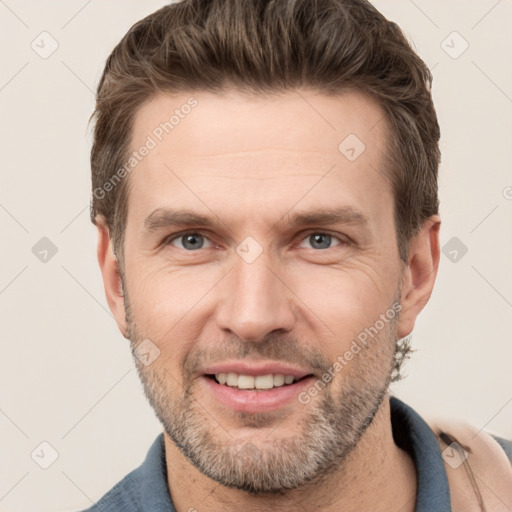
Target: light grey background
67	377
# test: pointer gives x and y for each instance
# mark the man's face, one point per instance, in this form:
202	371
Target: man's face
266	289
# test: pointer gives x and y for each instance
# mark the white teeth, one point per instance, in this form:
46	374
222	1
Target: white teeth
263	382
232	379
245	382
249	382
278	380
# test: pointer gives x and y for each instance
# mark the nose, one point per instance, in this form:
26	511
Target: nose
255	301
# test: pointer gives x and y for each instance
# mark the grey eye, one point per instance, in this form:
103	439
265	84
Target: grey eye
320	240
190	241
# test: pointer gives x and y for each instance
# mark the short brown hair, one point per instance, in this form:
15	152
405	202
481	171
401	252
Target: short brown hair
270	46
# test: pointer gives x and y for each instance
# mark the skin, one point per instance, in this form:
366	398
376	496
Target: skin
250	162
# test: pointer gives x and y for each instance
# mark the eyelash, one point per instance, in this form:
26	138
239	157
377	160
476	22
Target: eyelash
343	241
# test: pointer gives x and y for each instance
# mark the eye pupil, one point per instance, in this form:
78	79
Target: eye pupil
320	241
192	241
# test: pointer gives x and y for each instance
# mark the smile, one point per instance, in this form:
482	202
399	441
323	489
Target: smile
261	382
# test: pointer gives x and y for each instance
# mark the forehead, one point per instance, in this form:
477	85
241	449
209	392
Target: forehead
204	123
259	151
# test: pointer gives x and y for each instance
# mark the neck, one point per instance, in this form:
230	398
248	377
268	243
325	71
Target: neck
377	476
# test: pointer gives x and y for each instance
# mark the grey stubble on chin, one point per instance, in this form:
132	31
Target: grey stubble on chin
325	435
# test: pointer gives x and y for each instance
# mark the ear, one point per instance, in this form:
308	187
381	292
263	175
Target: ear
419	274
111	277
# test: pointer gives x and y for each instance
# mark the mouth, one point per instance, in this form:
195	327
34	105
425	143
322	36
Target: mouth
255	382
254	389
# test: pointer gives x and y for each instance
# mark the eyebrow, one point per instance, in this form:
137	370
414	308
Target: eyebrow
167	217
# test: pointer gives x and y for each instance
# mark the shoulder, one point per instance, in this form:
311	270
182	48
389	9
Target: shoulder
478	466
144	489
506	445
123	496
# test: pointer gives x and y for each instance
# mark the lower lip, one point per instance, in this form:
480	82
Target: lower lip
253	401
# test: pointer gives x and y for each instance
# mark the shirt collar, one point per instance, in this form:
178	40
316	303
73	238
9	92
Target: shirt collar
412	434
154	491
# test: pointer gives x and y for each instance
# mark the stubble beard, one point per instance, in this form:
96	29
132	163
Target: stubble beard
273	462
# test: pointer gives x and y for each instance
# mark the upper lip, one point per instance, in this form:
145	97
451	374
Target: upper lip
255	369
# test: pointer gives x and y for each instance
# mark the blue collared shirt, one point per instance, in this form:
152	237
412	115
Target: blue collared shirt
145	489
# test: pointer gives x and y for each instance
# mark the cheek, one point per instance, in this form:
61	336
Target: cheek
164	300
345	300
